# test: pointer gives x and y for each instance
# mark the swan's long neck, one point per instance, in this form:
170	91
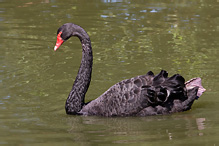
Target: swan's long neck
75	100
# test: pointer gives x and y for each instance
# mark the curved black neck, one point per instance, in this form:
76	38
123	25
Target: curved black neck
75	100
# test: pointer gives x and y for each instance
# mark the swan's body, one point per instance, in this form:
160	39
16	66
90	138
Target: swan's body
139	96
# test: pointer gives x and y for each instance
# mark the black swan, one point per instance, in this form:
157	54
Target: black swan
143	95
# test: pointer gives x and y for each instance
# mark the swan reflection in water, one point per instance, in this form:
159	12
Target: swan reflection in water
143	128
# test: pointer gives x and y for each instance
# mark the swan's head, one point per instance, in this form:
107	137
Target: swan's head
63	34
66	31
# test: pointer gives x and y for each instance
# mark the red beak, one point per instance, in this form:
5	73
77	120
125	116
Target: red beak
59	41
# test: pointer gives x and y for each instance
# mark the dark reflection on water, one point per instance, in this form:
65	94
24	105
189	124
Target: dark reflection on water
128	38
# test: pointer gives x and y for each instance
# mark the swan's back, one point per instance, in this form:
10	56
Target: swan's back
142	95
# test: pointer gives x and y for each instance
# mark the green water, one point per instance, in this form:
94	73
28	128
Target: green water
129	38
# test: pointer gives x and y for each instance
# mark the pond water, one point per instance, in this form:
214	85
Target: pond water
128	39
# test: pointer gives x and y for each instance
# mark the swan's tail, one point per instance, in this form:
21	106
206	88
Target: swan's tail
195	82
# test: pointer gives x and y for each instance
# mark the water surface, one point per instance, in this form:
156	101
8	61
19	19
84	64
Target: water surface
128	39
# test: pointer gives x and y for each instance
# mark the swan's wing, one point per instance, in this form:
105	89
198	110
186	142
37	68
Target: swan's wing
122	99
145	95
131	96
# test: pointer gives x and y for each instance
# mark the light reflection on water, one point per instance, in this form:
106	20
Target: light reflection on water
128	39
130	130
